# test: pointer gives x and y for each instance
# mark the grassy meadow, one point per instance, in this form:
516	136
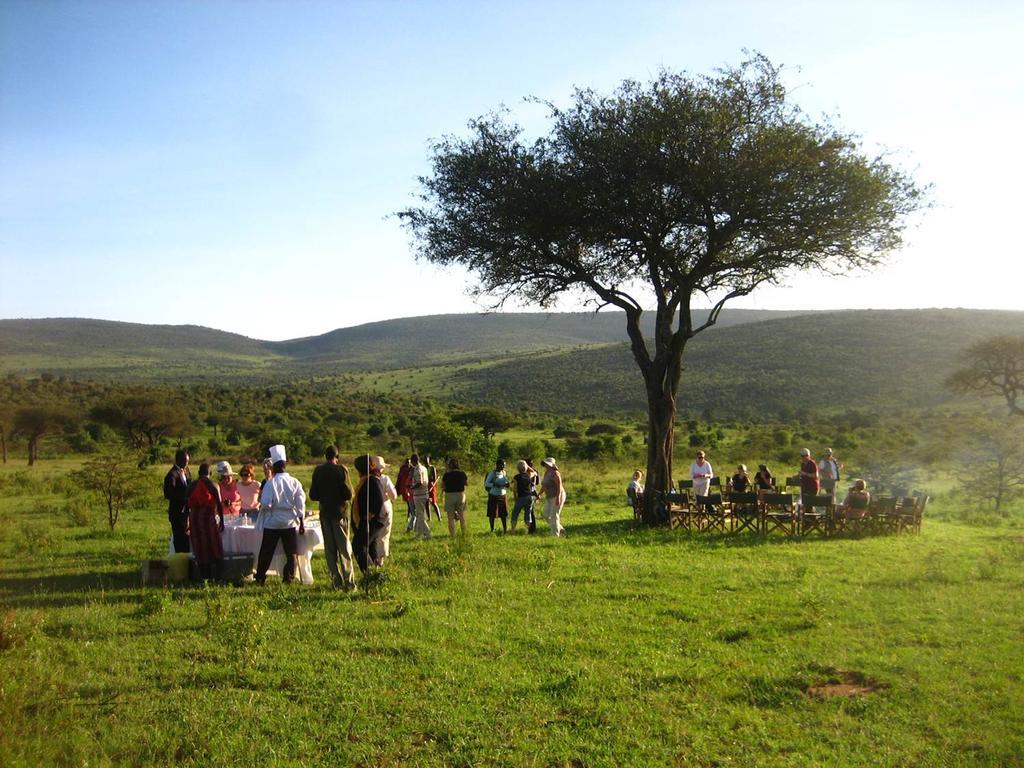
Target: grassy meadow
614	646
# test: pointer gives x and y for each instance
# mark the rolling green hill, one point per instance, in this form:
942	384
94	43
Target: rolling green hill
132	350
753	363
880	360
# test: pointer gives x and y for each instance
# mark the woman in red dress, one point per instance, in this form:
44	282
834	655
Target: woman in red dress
205	523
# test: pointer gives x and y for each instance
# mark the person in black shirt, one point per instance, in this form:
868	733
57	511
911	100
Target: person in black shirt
331	487
453	482
525	483
176	485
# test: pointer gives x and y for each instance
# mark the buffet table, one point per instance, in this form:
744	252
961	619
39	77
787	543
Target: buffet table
239	536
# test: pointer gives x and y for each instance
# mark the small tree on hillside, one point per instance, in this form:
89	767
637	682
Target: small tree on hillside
993	367
34	422
666	192
995	456
117	480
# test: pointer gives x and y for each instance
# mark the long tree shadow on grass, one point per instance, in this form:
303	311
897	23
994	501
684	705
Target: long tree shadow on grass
627	531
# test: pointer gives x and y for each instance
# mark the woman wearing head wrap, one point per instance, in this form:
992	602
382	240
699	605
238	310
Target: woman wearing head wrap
205	523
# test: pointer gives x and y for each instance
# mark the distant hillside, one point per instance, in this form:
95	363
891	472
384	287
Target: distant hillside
99	347
418	341
851	359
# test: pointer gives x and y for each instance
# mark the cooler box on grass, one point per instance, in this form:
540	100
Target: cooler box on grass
177	567
238	566
154	573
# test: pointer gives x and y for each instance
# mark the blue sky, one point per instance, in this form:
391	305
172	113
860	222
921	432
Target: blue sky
235	164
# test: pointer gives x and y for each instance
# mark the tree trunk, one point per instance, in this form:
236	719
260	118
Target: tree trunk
3	443
661	423
32	442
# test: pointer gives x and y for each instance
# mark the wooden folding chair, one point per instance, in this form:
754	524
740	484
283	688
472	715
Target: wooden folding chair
711	512
854	517
778	514
816	515
882	516
910	510
745	512
680	511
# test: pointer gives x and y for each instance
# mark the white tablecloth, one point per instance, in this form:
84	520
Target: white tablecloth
247	538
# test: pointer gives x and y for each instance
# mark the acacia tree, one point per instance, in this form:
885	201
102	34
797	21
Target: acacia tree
144	419
682	189
36	421
993	367
117	480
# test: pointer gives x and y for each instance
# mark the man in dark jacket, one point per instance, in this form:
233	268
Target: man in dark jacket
332	488
176	484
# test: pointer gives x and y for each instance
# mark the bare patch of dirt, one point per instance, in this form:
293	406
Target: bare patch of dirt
845	683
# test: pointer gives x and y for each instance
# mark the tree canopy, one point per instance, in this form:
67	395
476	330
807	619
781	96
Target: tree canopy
665	192
993	367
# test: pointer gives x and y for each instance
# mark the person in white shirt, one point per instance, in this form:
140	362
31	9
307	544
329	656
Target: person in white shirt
283	502
419	481
828	472
701	474
377	467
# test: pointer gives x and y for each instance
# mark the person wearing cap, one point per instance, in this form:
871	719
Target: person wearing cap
701	474
176	485
229	495
383	533
828	471
283	503
809	484
331	487
453	483
554	495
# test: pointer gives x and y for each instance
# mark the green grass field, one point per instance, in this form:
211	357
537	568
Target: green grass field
614	646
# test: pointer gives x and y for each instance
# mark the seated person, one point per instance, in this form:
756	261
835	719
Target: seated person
740	481
635	489
855	505
763	479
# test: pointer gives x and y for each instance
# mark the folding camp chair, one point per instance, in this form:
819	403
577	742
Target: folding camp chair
711	512
745	512
778	514
816	515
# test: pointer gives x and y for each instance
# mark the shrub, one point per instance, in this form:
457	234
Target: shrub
603	428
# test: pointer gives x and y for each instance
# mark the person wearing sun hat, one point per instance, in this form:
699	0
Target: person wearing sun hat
387	516
228	485
284	503
554	495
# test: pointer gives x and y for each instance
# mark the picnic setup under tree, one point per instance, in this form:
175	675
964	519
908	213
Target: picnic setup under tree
677	189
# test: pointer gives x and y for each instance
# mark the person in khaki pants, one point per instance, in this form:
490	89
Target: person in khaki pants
332	488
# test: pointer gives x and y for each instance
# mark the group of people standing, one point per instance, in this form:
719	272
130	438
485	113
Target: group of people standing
355	521
418	484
